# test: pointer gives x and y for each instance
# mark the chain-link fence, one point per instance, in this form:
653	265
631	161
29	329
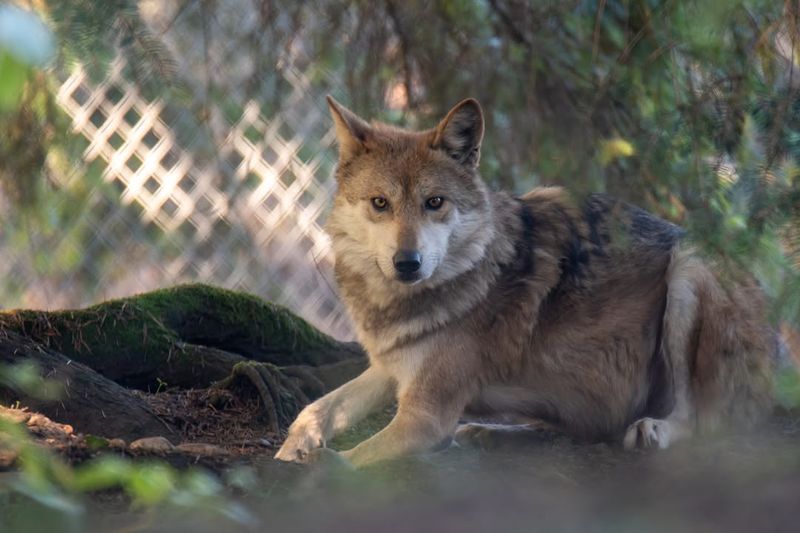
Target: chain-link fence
213	185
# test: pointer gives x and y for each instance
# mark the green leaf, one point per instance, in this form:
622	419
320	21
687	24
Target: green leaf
105	472
13	75
788	388
95	443
151	484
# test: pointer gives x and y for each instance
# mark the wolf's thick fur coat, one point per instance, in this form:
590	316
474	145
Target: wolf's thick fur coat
588	315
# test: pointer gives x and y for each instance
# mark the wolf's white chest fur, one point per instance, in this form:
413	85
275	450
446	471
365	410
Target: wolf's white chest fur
403	363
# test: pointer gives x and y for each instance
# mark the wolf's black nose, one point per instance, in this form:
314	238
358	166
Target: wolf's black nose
407	261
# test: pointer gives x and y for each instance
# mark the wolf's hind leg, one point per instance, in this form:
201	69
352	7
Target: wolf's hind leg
680	316
427	414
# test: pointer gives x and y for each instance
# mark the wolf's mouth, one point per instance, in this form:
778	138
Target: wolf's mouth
408	278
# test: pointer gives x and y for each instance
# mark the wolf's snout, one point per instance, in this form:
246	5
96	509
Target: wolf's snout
407	261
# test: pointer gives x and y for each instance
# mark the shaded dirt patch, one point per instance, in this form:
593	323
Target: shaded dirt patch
235	422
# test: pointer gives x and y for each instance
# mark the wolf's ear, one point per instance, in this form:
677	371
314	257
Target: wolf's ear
461	132
351	130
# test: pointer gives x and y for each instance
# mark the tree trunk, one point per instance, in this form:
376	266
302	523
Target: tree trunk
85	399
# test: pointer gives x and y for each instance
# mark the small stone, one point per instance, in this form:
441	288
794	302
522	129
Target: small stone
201	449
266	443
152	445
117	444
37	420
93	442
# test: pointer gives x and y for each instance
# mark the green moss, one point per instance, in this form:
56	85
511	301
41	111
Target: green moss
205	313
141	334
111	330
363	430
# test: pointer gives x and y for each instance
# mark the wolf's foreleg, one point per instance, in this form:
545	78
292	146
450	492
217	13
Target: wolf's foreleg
426	417
335	412
411	431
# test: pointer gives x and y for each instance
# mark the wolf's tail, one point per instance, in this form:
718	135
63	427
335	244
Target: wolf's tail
786	366
787	351
732	363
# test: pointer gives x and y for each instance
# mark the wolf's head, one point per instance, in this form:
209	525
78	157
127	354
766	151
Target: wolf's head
411	208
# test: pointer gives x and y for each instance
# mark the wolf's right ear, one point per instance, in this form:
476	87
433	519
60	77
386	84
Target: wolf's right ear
352	131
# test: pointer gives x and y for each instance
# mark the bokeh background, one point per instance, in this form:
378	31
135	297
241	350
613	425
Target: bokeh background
148	143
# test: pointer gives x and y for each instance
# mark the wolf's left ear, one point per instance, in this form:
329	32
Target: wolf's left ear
351	130
461	132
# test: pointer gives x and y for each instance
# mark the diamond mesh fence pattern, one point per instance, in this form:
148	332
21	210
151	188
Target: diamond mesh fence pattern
240	207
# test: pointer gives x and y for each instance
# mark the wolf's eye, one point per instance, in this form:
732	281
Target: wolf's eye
434	202
379	203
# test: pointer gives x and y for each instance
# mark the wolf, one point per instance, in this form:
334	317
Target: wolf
590	315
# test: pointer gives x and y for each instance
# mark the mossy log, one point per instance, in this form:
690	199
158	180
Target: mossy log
187	336
190	336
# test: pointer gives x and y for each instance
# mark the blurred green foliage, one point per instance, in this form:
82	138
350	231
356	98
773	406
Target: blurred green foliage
26	111
26	378
24	42
788	388
47	491
47	486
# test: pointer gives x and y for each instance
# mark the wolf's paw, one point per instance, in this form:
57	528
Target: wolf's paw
302	440
305	434
297	448
300	443
648	433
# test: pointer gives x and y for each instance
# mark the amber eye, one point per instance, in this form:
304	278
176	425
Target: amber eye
379	203
434	202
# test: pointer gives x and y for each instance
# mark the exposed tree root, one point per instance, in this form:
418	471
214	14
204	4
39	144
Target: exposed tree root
186	337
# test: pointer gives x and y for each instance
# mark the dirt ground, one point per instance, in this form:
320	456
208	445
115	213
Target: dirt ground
549	483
